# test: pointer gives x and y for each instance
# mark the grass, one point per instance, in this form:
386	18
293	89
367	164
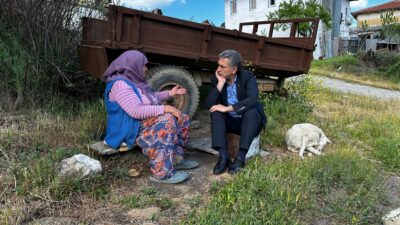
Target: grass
30	149
348	185
341	186
350	68
345	186
147	197
284	112
371	125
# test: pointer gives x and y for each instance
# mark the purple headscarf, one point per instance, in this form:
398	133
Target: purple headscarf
130	65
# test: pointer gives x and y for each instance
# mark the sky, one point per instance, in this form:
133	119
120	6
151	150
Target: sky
193	10
212	10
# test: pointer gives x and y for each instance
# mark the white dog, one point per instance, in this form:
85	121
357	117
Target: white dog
305	136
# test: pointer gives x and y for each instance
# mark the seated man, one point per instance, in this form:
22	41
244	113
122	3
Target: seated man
234	106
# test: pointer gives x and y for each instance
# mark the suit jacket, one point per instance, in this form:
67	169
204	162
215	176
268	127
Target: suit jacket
247	94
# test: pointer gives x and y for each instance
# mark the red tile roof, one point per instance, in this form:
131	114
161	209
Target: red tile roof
378	8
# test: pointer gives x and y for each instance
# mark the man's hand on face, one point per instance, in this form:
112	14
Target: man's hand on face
221	81
221	108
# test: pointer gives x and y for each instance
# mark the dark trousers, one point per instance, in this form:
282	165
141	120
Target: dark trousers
248	127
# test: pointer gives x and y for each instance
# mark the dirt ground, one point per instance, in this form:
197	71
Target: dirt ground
91	211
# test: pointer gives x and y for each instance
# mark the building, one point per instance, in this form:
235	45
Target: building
238	11
369	26
371	15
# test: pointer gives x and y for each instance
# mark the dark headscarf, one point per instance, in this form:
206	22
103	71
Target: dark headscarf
129	65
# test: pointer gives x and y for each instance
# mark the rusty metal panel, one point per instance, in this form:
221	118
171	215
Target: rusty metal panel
220	42
191	44
93	29
93	59
170	37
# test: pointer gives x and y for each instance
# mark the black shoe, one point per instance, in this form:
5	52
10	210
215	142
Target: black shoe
222	165
236	166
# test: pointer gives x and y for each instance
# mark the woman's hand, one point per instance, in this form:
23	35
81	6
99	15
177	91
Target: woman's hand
177	90
174	111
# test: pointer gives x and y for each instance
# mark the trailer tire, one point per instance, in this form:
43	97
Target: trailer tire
163	78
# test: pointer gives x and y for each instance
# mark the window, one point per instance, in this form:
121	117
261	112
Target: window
271	2
233	7
252	4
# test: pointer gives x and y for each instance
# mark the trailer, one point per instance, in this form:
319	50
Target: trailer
186	53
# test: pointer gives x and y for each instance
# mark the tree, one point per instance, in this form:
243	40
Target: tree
390	27
300	9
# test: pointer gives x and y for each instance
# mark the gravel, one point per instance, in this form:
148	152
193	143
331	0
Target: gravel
342	86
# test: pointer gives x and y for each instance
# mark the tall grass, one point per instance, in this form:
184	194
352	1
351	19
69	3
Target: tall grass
380	69
39	56
31	150
371	125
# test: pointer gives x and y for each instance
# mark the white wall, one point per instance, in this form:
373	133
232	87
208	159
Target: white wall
243	14
346	19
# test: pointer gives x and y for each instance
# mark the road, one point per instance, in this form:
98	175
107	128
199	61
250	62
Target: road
342	86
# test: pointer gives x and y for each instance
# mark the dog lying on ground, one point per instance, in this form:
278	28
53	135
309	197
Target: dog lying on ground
306	136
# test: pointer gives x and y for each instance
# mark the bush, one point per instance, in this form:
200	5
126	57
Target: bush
345	62
38	41
384	63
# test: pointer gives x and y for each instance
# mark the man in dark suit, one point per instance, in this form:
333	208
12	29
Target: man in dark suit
234	107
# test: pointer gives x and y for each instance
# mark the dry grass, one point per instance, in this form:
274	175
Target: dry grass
371	80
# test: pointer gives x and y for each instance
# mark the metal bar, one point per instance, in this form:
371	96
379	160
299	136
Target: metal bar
260	48
255	28
119	26
111	25
271	30
135	29
206	37
293	29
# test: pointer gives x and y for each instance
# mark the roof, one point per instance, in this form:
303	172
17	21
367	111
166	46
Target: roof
379	8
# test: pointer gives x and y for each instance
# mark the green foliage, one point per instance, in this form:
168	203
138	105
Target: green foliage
39	55
382	65
345	62
390	26
364	25
292	192
382	134
290	9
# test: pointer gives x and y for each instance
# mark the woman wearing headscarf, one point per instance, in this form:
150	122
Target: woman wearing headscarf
135	115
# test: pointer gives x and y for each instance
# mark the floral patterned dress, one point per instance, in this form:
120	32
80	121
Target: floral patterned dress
162	139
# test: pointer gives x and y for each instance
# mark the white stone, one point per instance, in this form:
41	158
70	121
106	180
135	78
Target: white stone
254	147
392	218
81	165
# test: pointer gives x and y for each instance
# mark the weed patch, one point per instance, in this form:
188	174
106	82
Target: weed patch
342	187
148	197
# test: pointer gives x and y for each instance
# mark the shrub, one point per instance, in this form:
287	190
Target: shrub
345	62
39	56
